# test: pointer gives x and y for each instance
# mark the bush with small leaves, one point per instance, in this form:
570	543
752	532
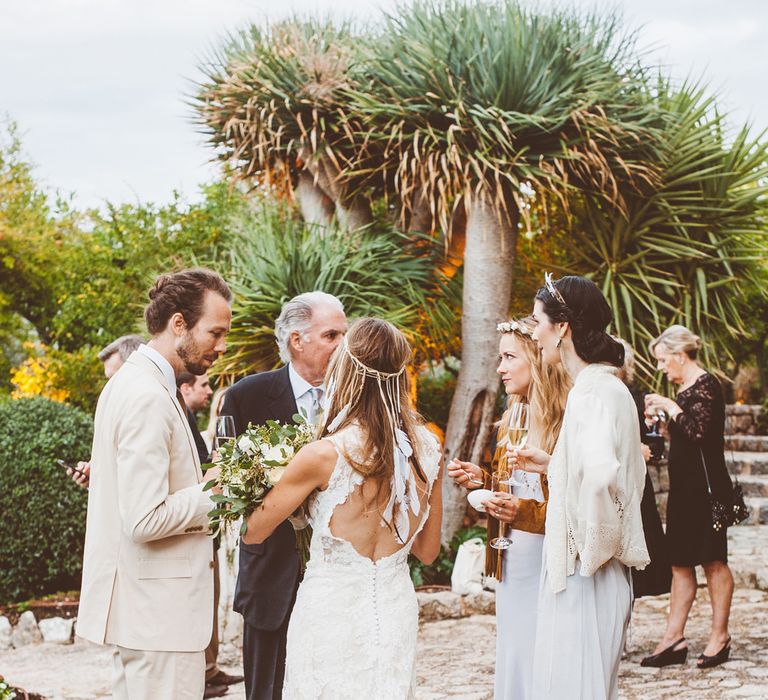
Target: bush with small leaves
41	549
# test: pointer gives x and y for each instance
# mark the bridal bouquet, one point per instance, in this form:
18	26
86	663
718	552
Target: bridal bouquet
250	466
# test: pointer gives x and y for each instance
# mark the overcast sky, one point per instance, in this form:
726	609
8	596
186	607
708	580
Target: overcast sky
98	87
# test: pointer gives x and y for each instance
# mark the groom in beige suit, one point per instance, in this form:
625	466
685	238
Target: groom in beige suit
148	563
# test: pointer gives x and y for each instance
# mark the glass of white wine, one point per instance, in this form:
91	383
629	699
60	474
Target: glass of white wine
517	431
501	483
225	431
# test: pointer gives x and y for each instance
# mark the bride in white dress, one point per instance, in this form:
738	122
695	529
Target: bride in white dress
373	499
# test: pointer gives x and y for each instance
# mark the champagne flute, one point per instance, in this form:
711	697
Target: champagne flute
517	431
225	431
500	483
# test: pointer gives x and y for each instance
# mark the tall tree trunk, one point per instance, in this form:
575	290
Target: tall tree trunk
316	207
488	259
353	212
421	220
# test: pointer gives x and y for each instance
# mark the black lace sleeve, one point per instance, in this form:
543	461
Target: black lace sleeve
699	403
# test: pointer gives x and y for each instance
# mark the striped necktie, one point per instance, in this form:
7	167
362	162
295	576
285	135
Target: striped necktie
316	393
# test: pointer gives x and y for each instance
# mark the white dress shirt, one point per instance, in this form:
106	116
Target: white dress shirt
161	362
302	392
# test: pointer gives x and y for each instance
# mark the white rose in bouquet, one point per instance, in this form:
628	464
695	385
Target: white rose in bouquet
277	453
246	445
274	475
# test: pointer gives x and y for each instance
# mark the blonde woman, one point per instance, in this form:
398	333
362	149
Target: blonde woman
374	497
696	422
545	389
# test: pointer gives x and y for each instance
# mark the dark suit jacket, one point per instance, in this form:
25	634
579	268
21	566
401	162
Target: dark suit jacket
200	446
269	572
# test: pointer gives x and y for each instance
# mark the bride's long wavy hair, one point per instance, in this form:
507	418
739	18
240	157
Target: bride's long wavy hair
359	397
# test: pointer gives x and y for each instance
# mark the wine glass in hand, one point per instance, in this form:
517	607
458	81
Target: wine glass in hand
500	483
225	431
517	432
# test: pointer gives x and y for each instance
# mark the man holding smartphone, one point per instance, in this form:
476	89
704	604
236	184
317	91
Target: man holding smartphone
148	567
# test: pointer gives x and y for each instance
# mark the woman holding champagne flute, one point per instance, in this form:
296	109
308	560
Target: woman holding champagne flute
537	397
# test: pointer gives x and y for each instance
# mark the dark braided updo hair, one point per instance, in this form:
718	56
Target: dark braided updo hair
588	314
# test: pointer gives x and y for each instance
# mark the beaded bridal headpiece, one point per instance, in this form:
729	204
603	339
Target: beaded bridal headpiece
403	493
549	283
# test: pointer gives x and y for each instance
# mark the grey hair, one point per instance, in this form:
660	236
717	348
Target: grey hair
123	346
296	317
677	339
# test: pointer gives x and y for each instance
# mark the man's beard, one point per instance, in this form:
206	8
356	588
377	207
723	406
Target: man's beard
194	360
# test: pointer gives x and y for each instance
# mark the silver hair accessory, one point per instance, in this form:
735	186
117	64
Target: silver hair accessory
554	291
403	492
513	327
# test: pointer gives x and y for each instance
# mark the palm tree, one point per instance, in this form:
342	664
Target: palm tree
482	106
689	251
269	106
473	122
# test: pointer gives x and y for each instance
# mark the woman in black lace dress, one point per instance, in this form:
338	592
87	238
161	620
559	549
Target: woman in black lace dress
696	421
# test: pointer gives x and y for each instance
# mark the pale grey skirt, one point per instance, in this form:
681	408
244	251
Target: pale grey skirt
517	597
580	635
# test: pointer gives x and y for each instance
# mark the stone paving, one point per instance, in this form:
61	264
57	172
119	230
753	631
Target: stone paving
456	656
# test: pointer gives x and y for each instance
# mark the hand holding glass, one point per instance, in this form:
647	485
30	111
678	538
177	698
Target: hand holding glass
225	430
500	484
517	431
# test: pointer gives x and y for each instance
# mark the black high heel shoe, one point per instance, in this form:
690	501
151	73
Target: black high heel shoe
720	658
668	656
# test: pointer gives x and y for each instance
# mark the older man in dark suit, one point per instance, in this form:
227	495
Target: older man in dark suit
309	328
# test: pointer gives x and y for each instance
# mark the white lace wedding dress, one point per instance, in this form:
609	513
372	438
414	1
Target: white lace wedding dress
352	633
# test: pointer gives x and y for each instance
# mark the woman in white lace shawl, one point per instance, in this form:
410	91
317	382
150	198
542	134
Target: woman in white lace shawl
596	473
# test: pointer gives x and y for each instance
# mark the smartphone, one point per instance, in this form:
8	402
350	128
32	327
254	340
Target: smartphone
67	465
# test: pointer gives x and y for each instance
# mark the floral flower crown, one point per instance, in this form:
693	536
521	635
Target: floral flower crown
513	327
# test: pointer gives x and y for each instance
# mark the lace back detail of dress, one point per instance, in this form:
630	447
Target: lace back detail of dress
346	517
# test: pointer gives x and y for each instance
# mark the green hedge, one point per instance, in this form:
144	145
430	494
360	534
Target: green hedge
41	548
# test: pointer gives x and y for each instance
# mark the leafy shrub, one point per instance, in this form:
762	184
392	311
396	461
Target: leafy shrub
41	550
75	377
439	571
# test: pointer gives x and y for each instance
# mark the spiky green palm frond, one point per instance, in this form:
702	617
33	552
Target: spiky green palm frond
379	272
467	96
269	98
689	251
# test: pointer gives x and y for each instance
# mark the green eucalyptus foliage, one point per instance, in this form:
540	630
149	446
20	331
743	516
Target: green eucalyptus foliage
41	550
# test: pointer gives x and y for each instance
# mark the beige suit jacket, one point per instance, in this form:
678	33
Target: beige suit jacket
148	564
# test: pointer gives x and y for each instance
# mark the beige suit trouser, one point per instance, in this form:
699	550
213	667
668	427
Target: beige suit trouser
212	651
157	675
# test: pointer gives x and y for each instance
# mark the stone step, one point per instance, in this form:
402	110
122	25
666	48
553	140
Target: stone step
759	510
747	463
747	443
754	485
